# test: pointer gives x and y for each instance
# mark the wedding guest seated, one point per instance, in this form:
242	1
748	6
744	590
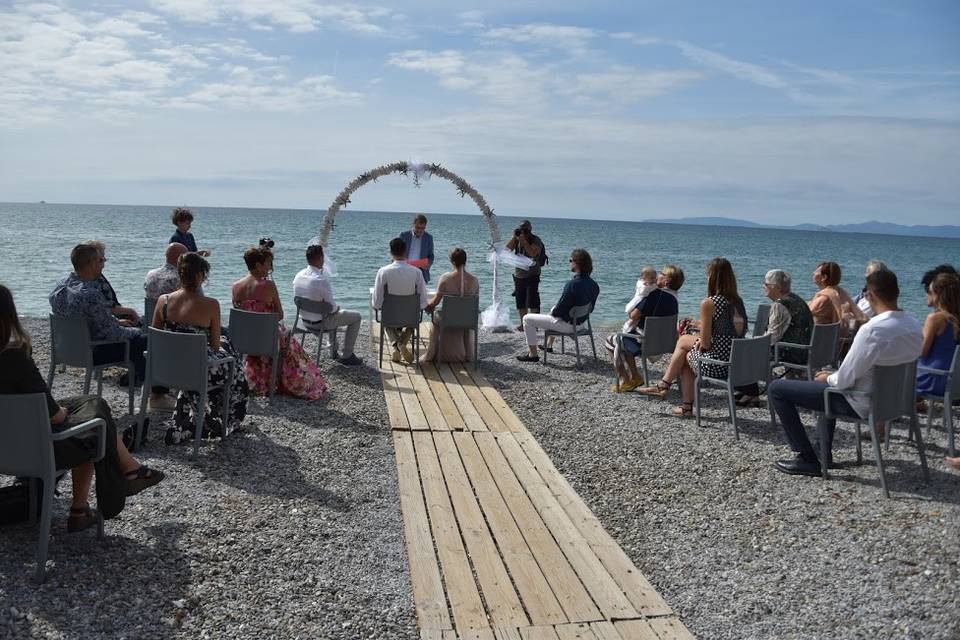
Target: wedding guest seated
933	273
861	299
941	332
297	375
186	310
128	317
832	303
660	302
722	319
790	321
312	283
457	344
400	279
82	295
891	337
164	279
118	474
578	291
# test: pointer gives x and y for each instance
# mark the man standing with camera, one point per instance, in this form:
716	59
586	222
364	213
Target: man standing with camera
526	282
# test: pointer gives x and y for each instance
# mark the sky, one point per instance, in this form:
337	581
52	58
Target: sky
776	112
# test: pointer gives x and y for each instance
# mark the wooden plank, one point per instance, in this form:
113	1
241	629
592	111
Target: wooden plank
462	591
489	414
638	589
605	631
411	404
510	419
471	417
572	595
575	632
442	395
391	393
670	628
506	633
538	633
428	403
428	594
502	601
602	587
635	630
534	590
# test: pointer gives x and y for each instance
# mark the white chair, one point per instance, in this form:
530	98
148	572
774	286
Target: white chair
179	361
71	345
950	395
892	397
749	363
26	450
257	334
584	328
299	327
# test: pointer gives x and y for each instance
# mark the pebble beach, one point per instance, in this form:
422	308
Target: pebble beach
292	527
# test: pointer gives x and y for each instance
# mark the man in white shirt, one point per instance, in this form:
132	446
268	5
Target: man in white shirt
401	279
891	337
311	283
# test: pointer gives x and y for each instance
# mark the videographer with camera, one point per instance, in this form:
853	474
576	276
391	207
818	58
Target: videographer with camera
526	282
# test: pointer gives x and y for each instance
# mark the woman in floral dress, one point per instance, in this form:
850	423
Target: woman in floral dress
298	375
186	310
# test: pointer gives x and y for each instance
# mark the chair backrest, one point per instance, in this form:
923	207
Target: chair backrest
70	341
953	380
400	311
762	321
659	335
893	391
823	344
749	360
177	360
149	306
460	312
322	307
253	333
25	445
582	311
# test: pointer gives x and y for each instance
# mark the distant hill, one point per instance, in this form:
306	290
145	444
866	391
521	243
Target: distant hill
873	226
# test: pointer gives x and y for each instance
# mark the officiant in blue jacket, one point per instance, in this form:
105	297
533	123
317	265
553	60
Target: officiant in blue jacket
419	246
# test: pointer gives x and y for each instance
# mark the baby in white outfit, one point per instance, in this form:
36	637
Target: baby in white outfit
646	284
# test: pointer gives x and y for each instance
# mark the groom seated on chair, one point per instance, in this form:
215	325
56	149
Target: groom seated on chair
312	283
399	279
891	337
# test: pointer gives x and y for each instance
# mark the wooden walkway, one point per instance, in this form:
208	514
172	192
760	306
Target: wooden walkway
500	546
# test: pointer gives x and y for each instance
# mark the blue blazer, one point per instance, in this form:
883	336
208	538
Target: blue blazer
426	249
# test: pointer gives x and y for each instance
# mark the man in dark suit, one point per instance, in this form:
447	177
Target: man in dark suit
419	245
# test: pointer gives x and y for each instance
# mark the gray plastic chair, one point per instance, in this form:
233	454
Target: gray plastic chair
149	306
762	322
459	312
179	361
749	363
323	309
400	312
257	334
659	338
71	345
576	313
822	350
26	450
892	398
950	395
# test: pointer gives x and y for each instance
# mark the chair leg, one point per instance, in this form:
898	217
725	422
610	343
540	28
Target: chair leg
99	376
930	415
563	345
696	398
879	456
44	536
416	345
915	427
643	365
51	373
545	333
141	417
859	448
948	423
733	411
273	375
381	347
576	346
824	454
86	381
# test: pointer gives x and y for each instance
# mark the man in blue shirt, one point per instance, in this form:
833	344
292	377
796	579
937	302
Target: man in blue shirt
580	290
419	245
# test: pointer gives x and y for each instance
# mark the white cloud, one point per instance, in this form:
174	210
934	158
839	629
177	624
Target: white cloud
555	36
245	91
627	85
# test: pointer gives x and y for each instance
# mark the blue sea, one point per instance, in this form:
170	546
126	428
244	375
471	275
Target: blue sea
37	239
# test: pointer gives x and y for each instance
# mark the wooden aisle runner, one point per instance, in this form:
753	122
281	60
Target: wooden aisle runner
500	546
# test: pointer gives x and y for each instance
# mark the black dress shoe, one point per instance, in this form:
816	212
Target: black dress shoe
528	358
798	467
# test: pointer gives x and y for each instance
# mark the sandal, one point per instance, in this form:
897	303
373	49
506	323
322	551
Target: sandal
143	477
659	391
81	518
685	410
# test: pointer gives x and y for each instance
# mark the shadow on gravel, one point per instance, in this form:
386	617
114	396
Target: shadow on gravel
119	587
258	465
904	479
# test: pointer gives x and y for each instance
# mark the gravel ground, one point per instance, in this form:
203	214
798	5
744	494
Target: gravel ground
738	549
291	529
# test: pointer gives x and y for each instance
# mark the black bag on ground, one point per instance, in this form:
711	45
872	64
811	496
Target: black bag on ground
15	502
